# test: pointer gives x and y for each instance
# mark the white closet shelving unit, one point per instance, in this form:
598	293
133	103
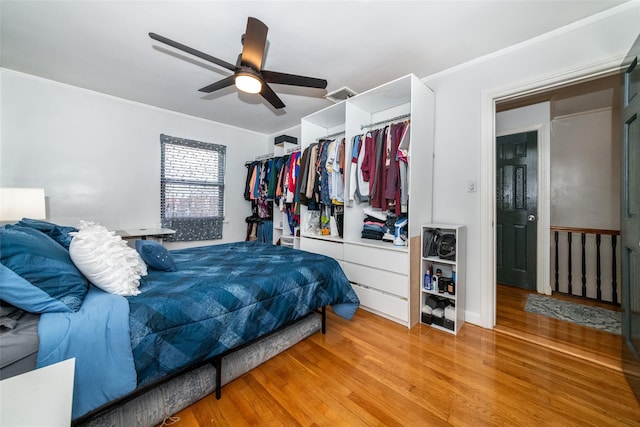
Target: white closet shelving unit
454	269
385	277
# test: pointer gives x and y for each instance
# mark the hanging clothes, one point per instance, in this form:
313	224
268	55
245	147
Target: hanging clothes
313	196
392	186
335	169
403	164
380	157
302	176
262	185
265	208
292	205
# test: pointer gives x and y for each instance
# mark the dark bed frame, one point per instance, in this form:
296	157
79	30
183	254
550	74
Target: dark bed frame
215	361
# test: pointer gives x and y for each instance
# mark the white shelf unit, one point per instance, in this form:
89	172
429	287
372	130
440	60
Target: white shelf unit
281	229
385	277
447	267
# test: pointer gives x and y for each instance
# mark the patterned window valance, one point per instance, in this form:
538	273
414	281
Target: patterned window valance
192	188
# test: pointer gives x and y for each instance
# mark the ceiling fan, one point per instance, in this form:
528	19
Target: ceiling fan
248	75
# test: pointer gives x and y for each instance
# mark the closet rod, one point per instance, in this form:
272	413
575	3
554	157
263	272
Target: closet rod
330	135
393	119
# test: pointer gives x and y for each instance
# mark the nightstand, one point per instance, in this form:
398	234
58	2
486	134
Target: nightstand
41	397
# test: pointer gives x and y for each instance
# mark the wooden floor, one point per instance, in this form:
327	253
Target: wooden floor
587	343
373	372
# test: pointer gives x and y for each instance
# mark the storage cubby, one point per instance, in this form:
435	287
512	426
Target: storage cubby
443	259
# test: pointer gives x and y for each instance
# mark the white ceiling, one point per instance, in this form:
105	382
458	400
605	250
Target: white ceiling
104	46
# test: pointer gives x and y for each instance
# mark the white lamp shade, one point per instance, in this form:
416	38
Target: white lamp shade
18	203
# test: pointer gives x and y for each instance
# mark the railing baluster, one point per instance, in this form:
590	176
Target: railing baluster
614	272
583	239
557	276
598	269
602	279
569	289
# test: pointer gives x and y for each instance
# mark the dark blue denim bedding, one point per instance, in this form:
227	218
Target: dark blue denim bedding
223	296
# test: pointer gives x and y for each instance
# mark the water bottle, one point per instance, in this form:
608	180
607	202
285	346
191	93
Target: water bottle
427	280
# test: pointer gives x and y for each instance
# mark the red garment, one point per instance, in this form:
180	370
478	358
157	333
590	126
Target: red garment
293	172
369	161
377	193
392	187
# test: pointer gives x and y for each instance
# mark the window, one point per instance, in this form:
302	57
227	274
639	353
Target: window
192	188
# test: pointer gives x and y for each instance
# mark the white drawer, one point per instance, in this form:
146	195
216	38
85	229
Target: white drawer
386	281
385	259
323	247
395	308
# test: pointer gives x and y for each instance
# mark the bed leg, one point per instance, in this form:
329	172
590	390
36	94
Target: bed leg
218	365
324	320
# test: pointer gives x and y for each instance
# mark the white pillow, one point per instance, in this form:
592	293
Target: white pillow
106	260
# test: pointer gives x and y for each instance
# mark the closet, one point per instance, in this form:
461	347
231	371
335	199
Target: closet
385	273
270	188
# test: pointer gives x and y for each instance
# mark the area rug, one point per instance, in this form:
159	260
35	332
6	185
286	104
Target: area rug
593	317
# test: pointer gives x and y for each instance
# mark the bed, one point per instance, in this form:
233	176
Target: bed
198	318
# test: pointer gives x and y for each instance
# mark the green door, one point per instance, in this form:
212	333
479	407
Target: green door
630	219
516	209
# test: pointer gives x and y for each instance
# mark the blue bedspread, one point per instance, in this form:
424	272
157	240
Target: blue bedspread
220	297
225	295
98	337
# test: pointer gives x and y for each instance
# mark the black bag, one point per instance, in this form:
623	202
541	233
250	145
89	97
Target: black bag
447	246
431	239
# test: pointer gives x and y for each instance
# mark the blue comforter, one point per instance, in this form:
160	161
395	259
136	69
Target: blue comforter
224	296
98	337
220	297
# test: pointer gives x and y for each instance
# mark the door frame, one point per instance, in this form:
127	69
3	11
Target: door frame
488	171
543	212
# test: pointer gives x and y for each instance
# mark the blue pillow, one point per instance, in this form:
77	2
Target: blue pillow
51	282
59	233
155	255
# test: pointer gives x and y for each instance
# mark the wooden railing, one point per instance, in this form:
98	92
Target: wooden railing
565	284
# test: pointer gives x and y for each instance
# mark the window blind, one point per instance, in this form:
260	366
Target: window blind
192	188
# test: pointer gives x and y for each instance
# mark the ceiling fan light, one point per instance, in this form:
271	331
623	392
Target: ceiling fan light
248	83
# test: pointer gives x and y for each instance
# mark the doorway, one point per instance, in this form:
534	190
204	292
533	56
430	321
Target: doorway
590	95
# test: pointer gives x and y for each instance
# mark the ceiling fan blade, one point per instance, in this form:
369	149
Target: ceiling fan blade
268	94
221	84
254	42
192	51
293	80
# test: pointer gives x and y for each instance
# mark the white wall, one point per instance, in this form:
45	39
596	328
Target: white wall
585	171
98	157
461	95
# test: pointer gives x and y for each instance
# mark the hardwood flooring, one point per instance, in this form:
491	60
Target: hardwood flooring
373	372
579	341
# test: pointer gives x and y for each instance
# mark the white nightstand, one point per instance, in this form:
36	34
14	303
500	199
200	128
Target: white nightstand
41	397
